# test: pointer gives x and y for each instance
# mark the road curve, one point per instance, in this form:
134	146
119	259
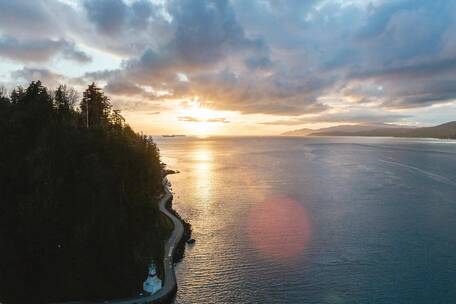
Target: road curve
169	281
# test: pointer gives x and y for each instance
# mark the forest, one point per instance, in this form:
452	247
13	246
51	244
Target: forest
79	218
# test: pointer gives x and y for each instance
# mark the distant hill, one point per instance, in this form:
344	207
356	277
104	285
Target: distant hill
300	132
362	130
447	130
340	130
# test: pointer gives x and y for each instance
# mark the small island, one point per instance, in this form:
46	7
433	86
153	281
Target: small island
79	209
173	135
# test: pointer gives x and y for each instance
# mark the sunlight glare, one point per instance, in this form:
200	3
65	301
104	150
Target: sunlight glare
200	121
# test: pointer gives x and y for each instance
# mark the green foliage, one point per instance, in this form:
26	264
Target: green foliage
78	205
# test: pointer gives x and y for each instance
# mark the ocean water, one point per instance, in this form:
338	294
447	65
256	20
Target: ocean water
316	220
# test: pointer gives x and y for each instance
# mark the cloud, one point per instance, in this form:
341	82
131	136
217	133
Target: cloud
41	30
23	18
421	92
206	32
123	88
113	17
258	62
109	16
306	68
126	28
41	50
252	93
290	58
415	70
46	76
222	120
195	119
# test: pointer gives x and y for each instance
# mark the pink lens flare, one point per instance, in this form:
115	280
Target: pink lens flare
279	228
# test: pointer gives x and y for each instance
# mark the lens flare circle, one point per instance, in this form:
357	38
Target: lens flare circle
279	228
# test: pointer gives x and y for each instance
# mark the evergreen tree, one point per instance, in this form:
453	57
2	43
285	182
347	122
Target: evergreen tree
95	107
78	212
4	100
65	98
17	94
117	119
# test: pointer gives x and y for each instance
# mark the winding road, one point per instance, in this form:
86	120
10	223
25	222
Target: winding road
169	281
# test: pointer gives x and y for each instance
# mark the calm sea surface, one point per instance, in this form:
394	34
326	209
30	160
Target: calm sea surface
316	220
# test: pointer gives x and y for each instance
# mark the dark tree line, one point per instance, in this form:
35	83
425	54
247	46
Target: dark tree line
78	198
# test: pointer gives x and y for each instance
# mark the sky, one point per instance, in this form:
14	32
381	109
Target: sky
241	67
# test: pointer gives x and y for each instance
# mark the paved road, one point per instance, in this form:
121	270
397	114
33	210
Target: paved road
169	283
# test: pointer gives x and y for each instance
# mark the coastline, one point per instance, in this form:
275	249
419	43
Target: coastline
173	252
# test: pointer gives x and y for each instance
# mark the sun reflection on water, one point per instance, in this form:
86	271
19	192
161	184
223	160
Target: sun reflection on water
203	159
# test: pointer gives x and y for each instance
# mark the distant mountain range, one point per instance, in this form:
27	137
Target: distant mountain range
447	130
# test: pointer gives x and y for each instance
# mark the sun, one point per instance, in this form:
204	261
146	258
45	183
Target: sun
199	113
200	121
